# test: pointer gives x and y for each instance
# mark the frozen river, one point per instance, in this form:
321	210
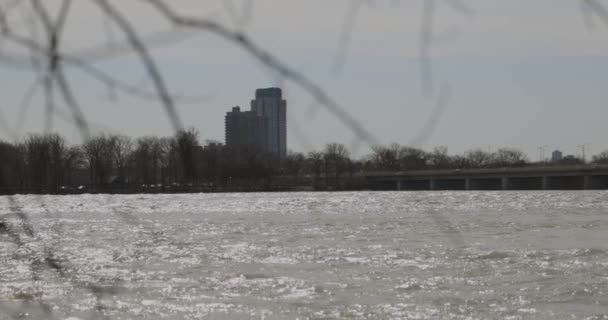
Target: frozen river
393	255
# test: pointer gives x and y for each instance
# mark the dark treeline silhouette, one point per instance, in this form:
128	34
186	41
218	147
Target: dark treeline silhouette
601	158
180	163
116	163
402	158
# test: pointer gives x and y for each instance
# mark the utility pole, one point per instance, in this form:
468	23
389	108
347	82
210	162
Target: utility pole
541	150
583	146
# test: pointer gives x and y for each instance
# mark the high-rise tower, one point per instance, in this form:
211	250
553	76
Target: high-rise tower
269	104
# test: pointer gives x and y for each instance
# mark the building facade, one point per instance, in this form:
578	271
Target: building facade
245	128
269	103
556	156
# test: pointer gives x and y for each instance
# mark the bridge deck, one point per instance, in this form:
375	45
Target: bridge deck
524	178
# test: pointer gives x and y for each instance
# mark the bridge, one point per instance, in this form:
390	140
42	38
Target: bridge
583	177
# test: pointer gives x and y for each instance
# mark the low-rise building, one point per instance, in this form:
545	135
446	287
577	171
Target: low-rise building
556	156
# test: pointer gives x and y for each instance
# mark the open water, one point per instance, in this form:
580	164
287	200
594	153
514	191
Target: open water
362	255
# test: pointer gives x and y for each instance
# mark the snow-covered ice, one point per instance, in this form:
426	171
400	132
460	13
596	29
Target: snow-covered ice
364	255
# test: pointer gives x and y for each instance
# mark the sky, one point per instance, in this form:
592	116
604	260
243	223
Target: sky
518	73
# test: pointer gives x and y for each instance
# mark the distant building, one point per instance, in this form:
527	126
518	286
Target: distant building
213	145
556	156
265	126
245	129
269	104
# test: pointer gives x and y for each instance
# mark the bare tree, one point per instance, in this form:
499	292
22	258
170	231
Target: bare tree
186	143
335	158
508	157
439	158
294	163
122	149
74	159
601	158
11	168
386	157
165	151
100	154
45	161
478	158
144	160
412	158
315	163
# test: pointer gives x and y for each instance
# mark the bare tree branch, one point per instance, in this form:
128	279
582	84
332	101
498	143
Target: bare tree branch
354	7
598	8
426	37
69	98
242	18
148	61
430	125
271	62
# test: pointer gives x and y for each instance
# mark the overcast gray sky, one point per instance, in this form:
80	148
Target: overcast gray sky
521	73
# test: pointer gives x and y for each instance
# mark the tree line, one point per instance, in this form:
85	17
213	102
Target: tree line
46	163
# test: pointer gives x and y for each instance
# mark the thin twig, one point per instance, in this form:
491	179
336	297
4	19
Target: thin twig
147	60
270	61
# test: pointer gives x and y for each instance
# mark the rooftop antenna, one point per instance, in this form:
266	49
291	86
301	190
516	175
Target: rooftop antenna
582	147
